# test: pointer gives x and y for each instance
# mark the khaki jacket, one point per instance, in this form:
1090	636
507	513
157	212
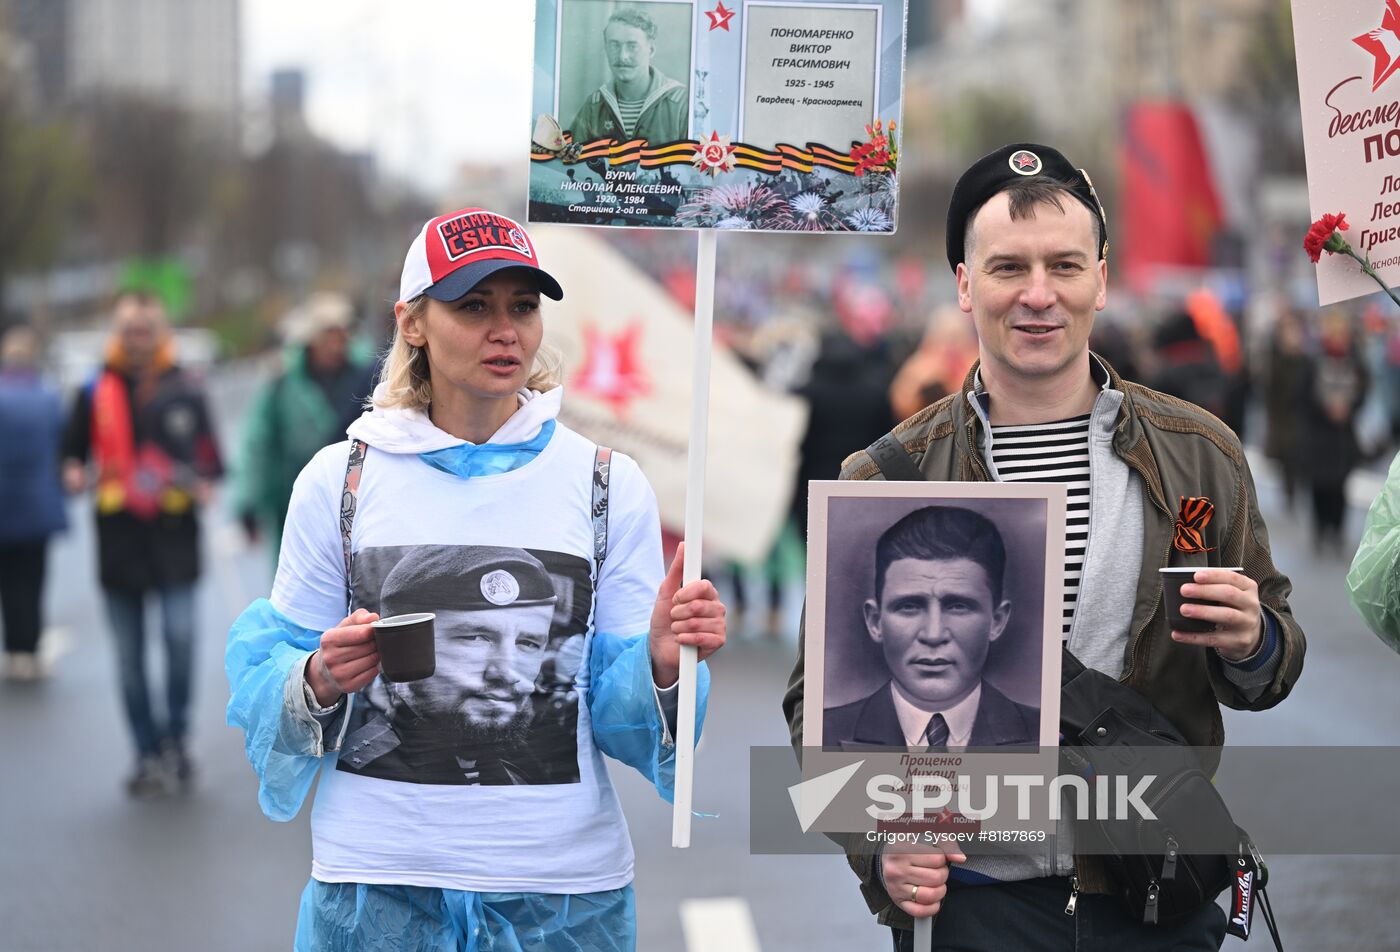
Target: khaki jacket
1177	449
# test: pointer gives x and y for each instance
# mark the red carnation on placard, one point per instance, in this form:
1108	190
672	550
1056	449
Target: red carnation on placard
1322	236
1325	234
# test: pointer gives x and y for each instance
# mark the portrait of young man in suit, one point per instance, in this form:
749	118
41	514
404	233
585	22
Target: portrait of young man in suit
939	603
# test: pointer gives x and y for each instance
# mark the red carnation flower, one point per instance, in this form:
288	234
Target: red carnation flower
1326	235
1322	236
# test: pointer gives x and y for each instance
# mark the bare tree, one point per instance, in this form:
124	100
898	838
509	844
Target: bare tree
43	177
154	169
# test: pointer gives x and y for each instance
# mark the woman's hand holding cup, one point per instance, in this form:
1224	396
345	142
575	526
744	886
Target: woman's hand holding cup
347	659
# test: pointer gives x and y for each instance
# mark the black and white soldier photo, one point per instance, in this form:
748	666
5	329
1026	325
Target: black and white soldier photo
938	605
623	70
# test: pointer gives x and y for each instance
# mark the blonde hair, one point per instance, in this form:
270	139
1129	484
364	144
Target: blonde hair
405	379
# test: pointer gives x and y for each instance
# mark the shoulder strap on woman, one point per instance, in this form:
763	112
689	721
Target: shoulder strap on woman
348	495
602	463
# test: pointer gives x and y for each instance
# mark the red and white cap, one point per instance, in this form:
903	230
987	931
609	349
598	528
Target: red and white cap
457	251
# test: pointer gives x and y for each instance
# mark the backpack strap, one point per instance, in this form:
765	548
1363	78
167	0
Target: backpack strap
602	465
894	460
348	495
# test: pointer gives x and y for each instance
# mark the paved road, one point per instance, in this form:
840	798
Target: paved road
82	867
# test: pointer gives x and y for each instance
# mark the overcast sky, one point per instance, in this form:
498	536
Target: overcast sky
424	84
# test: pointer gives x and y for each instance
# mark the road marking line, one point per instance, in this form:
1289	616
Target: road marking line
54	643
718	925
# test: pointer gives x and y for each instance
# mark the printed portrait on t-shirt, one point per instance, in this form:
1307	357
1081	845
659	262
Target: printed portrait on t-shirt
502	706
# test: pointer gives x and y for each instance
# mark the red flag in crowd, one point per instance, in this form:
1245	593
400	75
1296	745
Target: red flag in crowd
1171	210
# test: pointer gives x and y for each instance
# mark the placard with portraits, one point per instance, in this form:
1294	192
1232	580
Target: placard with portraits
770	115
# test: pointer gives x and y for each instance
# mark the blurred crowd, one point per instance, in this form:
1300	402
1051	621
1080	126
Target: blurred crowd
864	341
140	436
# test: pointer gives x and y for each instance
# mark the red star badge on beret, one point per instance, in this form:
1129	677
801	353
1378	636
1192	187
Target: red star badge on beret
719	18
1025	160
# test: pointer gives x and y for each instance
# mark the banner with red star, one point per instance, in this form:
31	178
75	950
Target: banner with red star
626	344
765	117
1348	54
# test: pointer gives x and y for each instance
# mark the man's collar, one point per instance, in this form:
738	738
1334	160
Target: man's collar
913	720
1098	370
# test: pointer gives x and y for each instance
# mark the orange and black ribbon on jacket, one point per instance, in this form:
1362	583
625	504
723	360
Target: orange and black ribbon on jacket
1195	515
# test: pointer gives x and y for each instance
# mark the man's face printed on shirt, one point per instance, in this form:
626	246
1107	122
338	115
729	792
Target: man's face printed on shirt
503	705
494	658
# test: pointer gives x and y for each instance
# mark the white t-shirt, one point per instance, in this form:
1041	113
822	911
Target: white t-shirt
416	797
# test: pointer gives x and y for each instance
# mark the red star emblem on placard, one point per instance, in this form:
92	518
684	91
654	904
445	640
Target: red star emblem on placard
1383	43
612	370
719	18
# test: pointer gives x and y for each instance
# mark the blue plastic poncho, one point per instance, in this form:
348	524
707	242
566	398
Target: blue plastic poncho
264	646
620	688
348	917
266	649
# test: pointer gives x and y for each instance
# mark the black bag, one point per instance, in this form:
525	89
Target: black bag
1110	729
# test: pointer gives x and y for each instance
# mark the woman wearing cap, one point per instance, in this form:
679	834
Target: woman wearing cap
469	810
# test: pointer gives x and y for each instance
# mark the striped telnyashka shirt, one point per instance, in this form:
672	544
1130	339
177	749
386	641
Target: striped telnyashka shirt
629	113
1053	453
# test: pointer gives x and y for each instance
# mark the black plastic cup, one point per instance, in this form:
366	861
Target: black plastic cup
1172	580
405	644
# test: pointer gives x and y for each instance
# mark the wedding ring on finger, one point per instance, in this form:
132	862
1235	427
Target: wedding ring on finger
913	893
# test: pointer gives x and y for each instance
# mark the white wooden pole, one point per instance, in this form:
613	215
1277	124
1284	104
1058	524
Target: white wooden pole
694	523
923	934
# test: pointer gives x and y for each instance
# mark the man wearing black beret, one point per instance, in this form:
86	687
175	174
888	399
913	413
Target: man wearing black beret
1028	243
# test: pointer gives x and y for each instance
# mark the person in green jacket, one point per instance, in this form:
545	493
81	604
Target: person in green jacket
638	101
325	380
1373	583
